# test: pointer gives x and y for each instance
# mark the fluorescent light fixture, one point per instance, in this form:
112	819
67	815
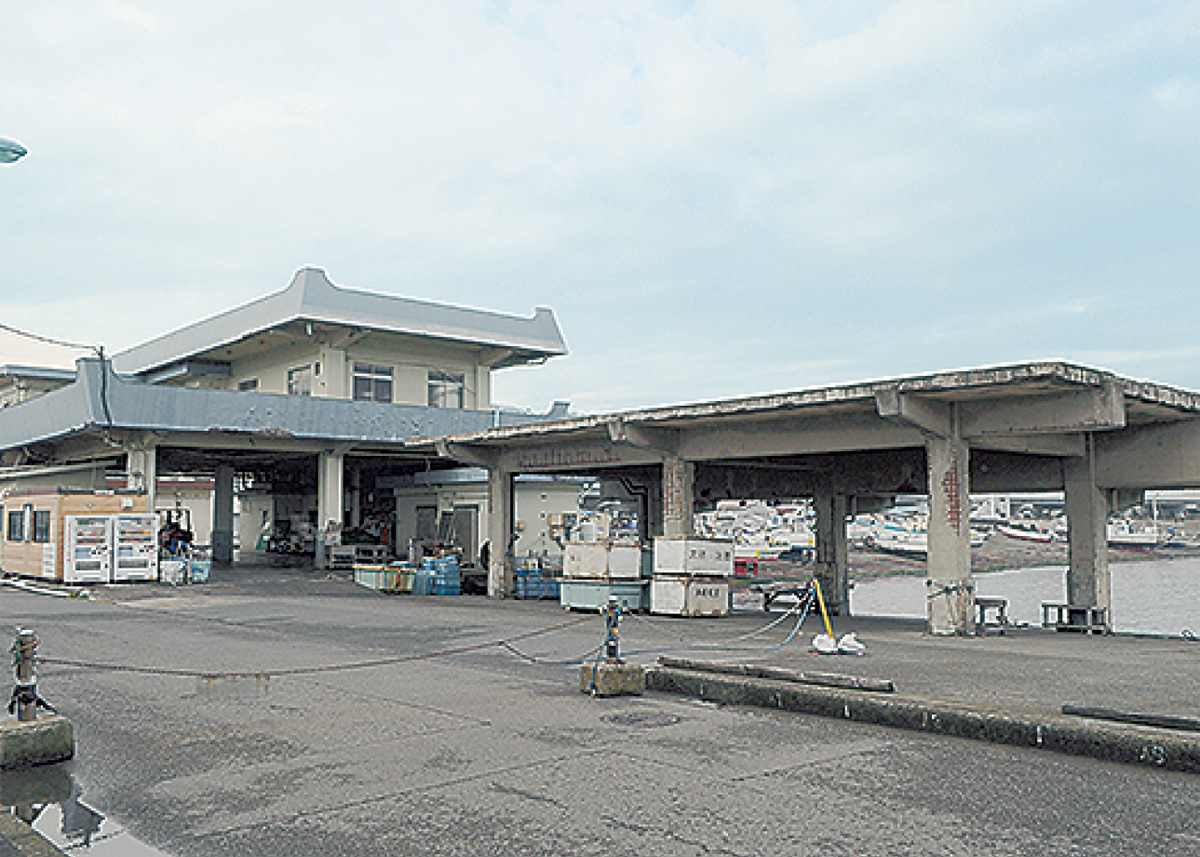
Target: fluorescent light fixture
11	150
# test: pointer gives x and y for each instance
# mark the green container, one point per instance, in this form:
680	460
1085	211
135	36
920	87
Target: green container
594	594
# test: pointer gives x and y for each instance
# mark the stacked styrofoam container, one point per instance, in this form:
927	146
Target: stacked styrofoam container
595	571
691	577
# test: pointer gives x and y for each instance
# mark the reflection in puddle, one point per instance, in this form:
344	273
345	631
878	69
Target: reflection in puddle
48	799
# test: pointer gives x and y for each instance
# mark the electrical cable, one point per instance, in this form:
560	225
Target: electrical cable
46	339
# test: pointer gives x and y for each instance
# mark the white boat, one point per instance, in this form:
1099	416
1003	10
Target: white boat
1124	534
1025	532
910	542
903	542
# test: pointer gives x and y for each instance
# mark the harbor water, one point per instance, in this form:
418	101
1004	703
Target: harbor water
1152	596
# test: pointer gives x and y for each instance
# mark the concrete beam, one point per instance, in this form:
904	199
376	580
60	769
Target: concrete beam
1055	445
930	416
662	441
586	456
810	436
1158	456
995	472
466	453
1090	409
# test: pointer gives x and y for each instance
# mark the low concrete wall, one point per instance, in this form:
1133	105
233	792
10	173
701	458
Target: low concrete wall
1099	740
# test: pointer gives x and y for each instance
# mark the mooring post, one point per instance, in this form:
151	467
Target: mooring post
25	696
612	630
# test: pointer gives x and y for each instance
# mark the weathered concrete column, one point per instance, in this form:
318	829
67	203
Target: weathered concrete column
652	524
141	472
500	532
330	496
679	497
1087	507
355	497
832	561
222	532
950	587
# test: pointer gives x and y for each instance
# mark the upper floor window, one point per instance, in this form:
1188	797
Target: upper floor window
300	381
372	383
445	389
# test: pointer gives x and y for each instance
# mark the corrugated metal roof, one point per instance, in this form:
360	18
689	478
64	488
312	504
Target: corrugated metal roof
312	297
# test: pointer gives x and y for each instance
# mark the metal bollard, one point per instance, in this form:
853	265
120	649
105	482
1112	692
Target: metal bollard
24	698
612	630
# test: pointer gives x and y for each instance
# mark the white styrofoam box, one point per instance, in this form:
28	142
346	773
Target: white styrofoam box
681	595
693	556
602	560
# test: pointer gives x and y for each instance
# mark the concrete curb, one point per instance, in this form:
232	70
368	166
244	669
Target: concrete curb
1099	740
49	738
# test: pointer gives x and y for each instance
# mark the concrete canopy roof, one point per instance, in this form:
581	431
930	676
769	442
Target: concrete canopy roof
1029	415
312	298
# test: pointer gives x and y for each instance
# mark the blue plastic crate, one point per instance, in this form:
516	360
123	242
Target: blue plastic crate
422	582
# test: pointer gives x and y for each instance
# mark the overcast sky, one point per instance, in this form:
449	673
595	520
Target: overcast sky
716	198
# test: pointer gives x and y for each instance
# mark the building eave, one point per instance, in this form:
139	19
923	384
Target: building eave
311	297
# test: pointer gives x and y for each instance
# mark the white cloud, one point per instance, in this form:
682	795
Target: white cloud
706	192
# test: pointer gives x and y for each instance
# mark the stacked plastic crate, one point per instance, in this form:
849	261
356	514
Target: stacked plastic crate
595	571
535	578
691	577
445	579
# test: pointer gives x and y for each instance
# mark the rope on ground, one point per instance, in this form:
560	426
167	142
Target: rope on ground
802	607
543	662
295	671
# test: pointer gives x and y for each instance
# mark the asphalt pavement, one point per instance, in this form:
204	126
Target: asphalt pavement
286	712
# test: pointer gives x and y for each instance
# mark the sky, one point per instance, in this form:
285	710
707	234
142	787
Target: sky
717	199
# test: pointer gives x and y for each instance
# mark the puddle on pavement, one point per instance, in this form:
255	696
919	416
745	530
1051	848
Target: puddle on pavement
48	799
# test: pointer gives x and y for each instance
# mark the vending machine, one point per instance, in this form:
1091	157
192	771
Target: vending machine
135	547
88	553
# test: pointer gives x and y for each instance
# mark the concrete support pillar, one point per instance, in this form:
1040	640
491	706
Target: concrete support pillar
652	525
678	497
833	558
330	496
355	496
141	472
1087	510
222	532
501	533
950	587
